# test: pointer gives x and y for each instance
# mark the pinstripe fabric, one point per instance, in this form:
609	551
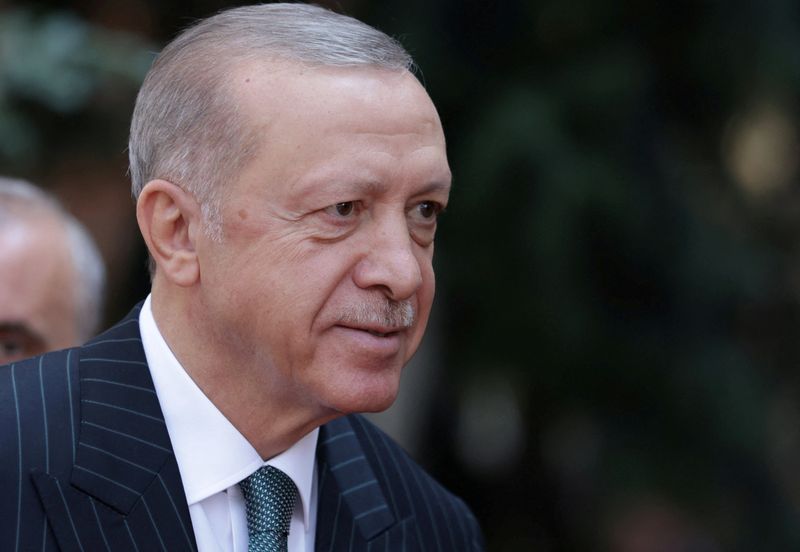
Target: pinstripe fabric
372	496
37	431
86	464
91	462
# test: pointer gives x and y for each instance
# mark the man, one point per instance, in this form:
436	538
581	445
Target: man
288	170
51	274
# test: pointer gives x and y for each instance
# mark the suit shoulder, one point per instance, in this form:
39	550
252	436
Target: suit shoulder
413	489
22	371
35	393
39	405
17	377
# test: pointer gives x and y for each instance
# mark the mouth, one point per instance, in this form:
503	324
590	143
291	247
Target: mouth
380	332
372	341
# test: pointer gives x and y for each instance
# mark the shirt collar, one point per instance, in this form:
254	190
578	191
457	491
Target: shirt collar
211	453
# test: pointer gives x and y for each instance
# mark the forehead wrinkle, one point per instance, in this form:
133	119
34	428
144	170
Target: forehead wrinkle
343	189
435	187
373	188
371	173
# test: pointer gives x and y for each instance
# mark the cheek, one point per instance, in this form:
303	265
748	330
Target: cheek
425	295
321	268
428	287
298	286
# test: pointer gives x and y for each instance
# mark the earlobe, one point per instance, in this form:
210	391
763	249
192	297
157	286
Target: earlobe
168	217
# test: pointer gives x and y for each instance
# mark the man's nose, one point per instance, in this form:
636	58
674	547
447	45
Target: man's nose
390	263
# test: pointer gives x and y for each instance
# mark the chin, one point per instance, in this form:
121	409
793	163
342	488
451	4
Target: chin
376	404
364	396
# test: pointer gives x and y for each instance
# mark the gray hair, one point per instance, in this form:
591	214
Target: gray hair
185	127
21	201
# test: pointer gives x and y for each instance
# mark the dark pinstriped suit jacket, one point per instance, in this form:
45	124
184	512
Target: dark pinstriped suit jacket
86	464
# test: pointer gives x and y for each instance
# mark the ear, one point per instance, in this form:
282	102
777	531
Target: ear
170	219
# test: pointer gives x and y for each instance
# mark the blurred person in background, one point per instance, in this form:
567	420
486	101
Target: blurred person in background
51	274
289	170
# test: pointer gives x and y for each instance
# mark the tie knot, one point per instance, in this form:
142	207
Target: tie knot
269	496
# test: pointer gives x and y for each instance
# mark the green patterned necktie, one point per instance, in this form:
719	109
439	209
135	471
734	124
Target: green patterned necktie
269	496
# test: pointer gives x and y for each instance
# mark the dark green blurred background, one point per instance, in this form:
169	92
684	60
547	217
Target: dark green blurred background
613	359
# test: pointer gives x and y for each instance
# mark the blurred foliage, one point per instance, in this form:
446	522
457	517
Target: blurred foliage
57	62
607	260
617	269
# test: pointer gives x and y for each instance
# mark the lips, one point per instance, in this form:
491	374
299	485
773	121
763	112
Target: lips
377	332
376	328
375	342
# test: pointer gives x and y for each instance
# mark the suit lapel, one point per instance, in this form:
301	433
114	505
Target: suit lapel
123	439
124	460
352	506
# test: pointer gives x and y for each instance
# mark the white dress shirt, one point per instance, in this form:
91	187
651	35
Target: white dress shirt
213	456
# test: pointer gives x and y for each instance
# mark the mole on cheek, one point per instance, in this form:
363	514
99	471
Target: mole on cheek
242	214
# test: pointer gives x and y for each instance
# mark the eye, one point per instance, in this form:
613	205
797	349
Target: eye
429	209
17	341
11	348
423	220
342	210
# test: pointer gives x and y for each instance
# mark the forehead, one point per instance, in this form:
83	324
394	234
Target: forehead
38	281
292	97
325	120
36	263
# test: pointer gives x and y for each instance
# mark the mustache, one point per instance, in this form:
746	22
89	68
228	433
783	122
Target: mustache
388	313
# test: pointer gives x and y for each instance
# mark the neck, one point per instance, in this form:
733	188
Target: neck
240	385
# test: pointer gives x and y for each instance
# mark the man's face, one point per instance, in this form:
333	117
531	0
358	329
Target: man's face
37	302
323	282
